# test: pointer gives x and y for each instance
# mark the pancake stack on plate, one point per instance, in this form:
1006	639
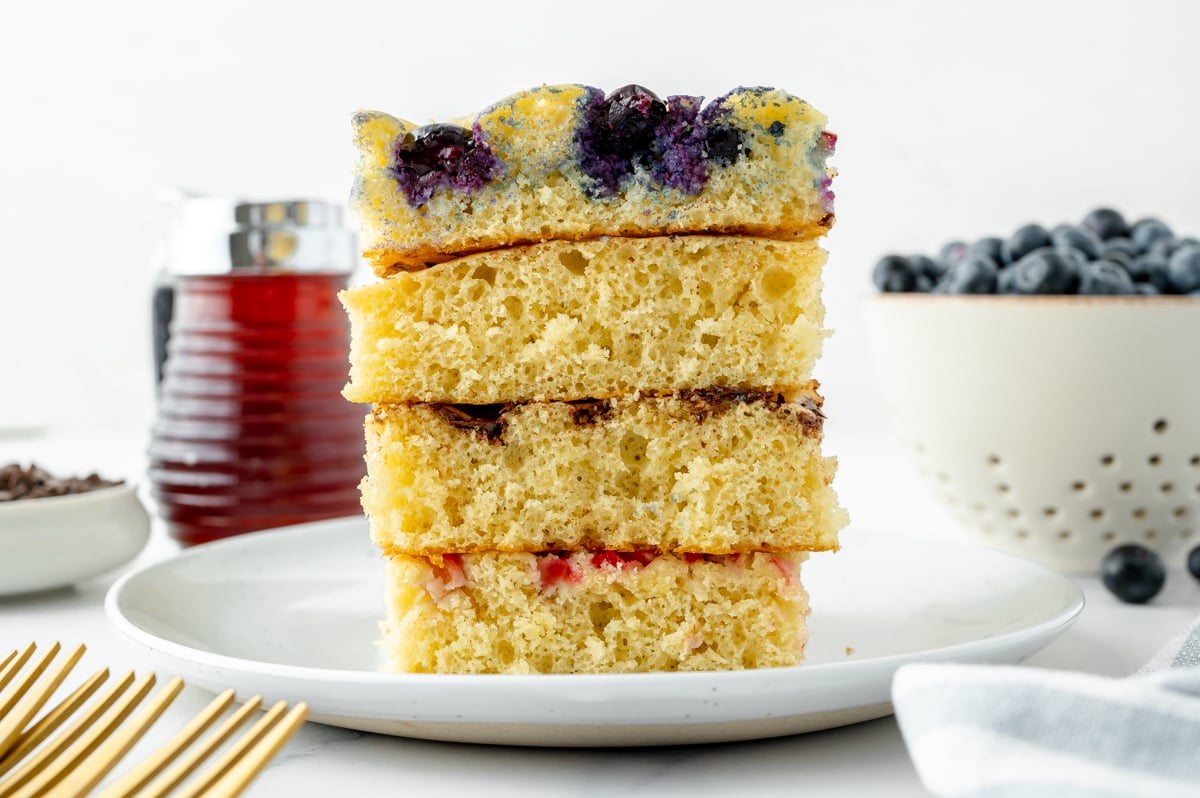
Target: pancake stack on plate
596	437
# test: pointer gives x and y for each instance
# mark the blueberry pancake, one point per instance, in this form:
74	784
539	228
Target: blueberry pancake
568	162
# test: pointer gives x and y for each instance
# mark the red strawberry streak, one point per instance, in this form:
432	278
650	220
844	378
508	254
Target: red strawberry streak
788	569
609	558
622	559
447	577
555	569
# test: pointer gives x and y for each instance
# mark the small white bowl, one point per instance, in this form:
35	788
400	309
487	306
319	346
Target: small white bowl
1054	427
60	540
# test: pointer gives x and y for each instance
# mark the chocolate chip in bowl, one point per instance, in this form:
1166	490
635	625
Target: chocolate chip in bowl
60	530
33	482
1043	391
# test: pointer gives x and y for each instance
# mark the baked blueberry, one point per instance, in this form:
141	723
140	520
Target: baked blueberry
678	153
632	113
894	274
1146	289
1105	277
1184	269
1043	271
1025	240
722	144
975	275
1133	573
442	155
1067	236
1105	223
1147	231
617	134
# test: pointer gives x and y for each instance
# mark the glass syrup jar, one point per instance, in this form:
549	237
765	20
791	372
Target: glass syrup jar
251	349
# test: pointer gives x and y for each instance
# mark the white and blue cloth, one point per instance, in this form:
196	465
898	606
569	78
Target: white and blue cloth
1006	732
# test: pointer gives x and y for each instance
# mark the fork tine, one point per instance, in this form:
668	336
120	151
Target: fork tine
199	785
71	749
99	762
18	688
13	721
50	764
140	776
196	756
14	662
34	735
238	777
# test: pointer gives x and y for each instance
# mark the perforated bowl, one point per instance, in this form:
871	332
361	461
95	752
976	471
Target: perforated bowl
1053	427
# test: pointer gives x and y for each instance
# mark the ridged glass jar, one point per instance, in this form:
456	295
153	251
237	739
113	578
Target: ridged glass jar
251	430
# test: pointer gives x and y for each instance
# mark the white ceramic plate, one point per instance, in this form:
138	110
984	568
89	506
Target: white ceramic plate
61	540
292	614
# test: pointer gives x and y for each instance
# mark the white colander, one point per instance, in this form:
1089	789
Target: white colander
1053	427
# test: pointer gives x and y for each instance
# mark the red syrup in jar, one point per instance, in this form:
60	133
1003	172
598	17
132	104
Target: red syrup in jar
252	431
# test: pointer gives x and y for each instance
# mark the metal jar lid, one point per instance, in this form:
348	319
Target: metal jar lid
220	235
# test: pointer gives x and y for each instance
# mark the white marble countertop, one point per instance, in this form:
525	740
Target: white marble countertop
867	759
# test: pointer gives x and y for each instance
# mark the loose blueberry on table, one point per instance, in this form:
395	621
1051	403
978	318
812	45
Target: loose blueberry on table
1193	562
1102	255
1133	573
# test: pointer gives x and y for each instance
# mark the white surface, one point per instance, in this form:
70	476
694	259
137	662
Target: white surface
60	540
955	120
308	635
877	484
1052	427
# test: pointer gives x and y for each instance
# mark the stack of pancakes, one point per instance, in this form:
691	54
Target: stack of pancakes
596	439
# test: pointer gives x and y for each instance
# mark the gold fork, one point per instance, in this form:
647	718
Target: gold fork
37	763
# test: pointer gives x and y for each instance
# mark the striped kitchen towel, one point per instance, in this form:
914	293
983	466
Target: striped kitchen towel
1006	732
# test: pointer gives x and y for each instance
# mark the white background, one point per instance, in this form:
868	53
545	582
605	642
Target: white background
955	119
